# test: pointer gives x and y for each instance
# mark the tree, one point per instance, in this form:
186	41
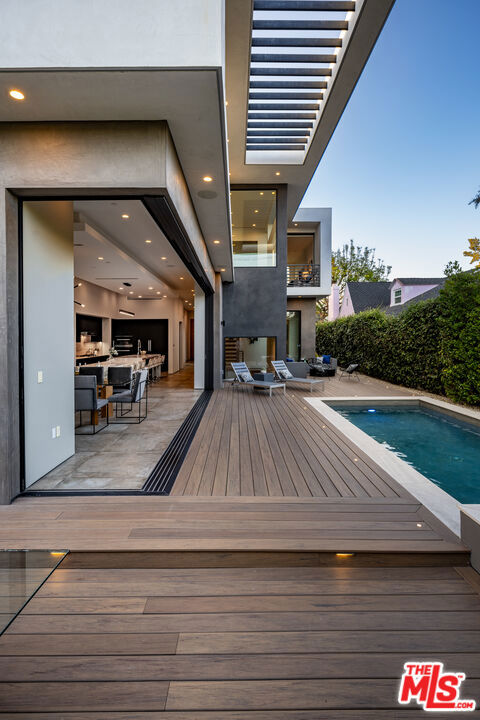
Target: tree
353	263
474	252
474	243
452	268
476	200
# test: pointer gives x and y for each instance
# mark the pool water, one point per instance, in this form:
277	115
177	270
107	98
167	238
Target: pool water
444	449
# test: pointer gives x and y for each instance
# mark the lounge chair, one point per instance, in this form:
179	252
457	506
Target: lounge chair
284	374
244	377
350	371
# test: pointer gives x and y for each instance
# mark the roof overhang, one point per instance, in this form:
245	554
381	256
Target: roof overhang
190	100
313	49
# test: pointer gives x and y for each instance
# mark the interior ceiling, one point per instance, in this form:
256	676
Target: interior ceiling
370	16
191	101
102	232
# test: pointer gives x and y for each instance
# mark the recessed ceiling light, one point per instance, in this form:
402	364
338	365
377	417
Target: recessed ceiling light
222	269
216	242
273	192
256	211
261	193
17	95
79	284
139	296
148	242
277	173
150	288
254	224
158	292
120	288
296	224
207	178
100	258
163	258
125	216
181	278
82	305
164	296
131	292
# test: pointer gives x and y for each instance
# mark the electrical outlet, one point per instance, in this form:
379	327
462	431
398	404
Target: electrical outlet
58	430
40	376
54	433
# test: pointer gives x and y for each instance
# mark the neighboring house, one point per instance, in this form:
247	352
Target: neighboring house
407	291
155	152
391	297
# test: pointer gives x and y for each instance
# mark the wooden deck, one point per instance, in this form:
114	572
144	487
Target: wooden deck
114	640
250	444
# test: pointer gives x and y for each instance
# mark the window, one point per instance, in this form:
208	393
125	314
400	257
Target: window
254	228
293	334
397	296
256	352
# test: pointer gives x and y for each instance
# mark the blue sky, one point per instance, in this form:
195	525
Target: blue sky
404	160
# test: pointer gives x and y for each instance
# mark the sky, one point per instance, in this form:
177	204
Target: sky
404	161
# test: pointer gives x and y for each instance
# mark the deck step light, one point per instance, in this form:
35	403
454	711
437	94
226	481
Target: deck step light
344	555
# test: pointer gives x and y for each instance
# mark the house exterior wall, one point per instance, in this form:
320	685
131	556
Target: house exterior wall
307	307
111	33
255	305
346	307
408	291
58	159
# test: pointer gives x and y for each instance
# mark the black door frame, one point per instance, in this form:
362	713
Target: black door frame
162	210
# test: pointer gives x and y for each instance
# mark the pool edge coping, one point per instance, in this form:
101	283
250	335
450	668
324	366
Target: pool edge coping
445	507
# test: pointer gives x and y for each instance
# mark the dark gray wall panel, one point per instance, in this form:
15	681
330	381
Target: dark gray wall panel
255	305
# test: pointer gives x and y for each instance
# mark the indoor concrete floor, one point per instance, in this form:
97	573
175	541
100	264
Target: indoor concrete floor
121	457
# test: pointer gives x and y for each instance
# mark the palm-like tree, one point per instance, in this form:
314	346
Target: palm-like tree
476	200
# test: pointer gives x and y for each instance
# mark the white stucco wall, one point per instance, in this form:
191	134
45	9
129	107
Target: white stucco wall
111	33
346	307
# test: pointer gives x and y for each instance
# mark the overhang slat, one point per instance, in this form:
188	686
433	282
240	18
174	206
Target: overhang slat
300	58
283	84
296	42
281	116
275	140
305	5
285	96
286	125
275	147
291	72
277	133
300	25
283	106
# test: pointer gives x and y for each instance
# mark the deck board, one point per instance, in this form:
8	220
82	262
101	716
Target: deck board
336	652
251	444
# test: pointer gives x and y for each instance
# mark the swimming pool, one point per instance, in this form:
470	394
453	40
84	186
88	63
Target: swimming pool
441	447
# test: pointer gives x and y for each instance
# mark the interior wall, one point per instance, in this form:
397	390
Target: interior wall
105	303
48	336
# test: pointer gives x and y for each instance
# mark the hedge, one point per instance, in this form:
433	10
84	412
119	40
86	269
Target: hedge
432	345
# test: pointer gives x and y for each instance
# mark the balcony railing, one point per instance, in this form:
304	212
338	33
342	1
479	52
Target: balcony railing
303	275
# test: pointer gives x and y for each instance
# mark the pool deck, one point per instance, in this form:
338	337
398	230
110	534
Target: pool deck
228	600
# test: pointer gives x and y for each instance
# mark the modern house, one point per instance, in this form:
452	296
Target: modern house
153	160
391	297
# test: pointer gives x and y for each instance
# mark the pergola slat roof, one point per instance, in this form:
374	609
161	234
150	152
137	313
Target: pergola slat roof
289	38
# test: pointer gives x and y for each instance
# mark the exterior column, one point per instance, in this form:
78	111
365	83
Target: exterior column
199	340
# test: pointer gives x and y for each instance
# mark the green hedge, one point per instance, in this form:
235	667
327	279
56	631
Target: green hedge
432	345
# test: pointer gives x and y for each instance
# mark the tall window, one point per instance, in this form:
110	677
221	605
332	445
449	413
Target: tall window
254	228
397	296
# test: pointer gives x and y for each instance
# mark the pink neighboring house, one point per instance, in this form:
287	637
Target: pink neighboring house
392	297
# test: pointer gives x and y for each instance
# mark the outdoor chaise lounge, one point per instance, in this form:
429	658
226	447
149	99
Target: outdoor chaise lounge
244	377
284	374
